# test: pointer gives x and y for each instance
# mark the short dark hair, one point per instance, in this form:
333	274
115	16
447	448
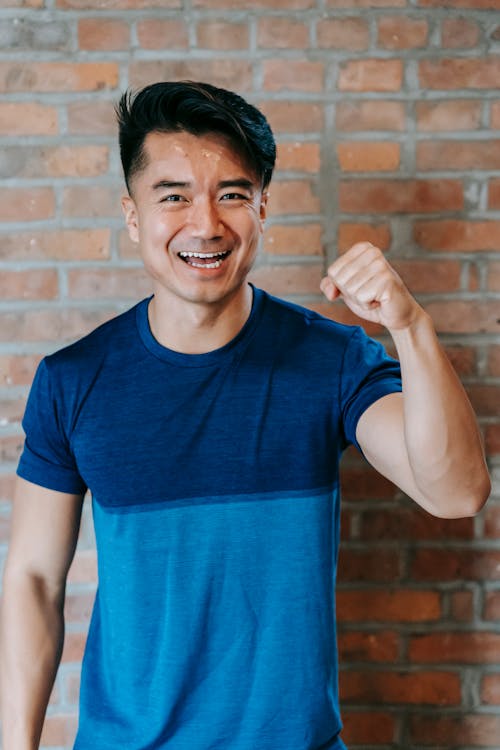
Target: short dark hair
198	108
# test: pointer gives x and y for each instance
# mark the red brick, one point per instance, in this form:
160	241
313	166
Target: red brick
493	280
423	688
459	32
362	156
27	118
58	76
364	483
349	234
452	235
460	73
103	34
361	116
455	565
343	33
458	155
100	200
72	687
400	196
293	75
109	283
462	606
289	239
495	116
492	521
282	33
287	279
371	647
29	285
381	566
366	3
494	361
68	244
374	728
228	73
252	4
50	325
7	482
472	4
10	448
494	194
388	606
293	193
463	359
74	645
117	4
412	524
293	117
91	118
400	32
492	605
492	440
17	369
26	204
490	690
298	156
83	568
11	412
463	316
59	730
450	731
78	607
371	75
219	35
485	399
461	114
60	161
428	277
455	648
155	33
22	3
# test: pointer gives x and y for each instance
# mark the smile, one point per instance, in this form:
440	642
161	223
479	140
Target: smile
204	260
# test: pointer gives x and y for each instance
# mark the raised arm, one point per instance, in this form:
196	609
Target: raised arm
44	533
426	440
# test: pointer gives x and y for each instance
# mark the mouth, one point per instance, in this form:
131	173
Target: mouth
204	260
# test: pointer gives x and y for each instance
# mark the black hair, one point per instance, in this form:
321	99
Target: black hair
198	108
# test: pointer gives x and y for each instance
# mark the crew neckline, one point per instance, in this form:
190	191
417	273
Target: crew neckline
205	358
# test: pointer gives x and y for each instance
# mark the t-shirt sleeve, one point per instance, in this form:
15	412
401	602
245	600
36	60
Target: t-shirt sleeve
47	459
368	373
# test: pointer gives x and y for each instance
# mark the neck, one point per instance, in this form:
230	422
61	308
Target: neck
192	328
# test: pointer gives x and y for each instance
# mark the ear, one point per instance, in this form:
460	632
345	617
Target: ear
263	209
131	218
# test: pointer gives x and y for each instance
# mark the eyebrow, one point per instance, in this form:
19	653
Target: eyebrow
240	182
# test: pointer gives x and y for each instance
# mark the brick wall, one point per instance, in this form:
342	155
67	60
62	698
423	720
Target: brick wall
387	115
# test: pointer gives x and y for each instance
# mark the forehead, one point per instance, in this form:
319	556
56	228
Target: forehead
196	154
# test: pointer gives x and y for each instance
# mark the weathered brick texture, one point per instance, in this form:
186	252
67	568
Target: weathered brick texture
387	115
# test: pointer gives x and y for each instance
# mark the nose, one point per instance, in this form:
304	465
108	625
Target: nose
205	220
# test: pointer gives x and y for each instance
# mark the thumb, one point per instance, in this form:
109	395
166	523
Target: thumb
328	288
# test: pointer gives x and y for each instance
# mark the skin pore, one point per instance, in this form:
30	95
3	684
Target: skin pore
197	211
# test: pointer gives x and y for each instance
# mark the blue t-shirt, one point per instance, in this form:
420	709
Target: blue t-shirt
214	481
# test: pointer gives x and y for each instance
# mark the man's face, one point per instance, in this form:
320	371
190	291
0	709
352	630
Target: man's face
197	210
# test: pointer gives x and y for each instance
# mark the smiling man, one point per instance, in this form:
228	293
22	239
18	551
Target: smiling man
208	422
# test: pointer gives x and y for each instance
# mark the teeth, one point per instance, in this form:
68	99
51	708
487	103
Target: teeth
206	265
201	255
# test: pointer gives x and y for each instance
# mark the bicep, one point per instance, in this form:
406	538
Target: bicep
381	436
44	532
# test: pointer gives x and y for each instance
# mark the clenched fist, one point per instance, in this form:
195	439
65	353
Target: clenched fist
371	288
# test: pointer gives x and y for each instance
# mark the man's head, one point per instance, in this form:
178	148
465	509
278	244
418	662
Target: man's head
199	109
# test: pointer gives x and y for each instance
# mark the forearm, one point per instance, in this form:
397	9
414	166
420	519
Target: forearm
32	636
441	433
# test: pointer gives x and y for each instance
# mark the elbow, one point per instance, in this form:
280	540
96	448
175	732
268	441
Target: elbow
463	503
478	499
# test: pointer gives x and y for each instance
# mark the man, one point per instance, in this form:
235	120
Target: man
208	422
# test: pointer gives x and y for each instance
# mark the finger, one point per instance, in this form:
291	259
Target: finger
329	289
350	278
360	255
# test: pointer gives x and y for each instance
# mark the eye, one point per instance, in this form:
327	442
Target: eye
173	198
234	197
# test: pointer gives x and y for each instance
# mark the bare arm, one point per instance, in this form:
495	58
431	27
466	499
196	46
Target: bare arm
425	440
44	533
